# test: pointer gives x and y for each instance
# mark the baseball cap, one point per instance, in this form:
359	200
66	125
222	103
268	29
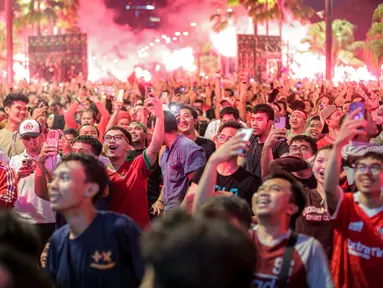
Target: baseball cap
30	128
326	113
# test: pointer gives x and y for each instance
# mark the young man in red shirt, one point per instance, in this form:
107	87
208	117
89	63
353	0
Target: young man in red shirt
357	259
130	178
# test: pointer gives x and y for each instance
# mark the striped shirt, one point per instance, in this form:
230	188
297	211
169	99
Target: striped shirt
8	186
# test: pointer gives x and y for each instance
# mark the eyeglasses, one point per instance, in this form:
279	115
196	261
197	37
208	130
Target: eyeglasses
222	138
116	138
373	169
27	138
302	149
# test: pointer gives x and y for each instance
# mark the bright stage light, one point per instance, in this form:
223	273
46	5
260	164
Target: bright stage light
151	44
193	24
174	38
157	40
185	33
177	33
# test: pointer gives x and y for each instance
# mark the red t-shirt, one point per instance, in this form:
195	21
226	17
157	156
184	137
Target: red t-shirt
357	259
326	140
129	187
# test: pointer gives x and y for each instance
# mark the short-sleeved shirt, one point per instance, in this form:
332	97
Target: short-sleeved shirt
207	145
253	156
309	265
183	157
357	259
29	206
106	254
128	189
241	183
11	143
8	186
315	221
326	140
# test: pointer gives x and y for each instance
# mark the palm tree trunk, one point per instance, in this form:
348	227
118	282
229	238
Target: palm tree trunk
38	24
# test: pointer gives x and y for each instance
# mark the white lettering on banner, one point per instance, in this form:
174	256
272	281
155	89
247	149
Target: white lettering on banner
363	251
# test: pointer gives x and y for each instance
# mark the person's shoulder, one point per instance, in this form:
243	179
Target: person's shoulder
307	244
60	235
116	220
241	170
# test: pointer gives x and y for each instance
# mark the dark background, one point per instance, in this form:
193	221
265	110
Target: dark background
358	12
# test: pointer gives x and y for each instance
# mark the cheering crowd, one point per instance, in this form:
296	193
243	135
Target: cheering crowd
191	182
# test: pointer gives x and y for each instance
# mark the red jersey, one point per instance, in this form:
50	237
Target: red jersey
129	189
309	266
357	259
326	140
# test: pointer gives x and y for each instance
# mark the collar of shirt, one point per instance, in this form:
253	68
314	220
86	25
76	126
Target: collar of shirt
26	155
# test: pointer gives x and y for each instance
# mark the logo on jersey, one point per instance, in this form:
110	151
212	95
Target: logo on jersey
102	260
356	226
363	251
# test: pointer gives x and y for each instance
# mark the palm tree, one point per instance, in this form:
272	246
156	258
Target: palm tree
344	44
46	13
375	36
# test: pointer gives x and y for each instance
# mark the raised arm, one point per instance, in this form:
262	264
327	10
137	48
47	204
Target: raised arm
42	176
267	151
242	96
154	106
218	95
206	184
113	119
348	131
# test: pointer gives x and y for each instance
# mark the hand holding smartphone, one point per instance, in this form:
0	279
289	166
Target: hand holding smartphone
53	141
246	132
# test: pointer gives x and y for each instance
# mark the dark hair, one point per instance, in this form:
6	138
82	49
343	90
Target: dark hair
20	235
266	109
122	130
231	124
94	114
70	131
354	96
226	207
22	271
297	105
93	168
230	91
229	111
312	142
13	97
192	111
372	155
327	147
183	249
170	122
296	188
82	126
316	117
92	141
58	122
311	103
324	96
199	101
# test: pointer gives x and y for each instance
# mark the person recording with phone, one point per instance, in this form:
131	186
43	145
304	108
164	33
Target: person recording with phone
29	206
231	179
330	118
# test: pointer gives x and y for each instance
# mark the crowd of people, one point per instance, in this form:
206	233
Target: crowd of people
135	184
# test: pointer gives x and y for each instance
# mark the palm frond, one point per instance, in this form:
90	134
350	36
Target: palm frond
376	30
378	13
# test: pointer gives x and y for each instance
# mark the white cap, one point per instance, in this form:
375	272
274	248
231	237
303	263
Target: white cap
30	128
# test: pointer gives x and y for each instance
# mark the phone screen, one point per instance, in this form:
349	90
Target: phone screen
247	132
53	140
356	105
280	122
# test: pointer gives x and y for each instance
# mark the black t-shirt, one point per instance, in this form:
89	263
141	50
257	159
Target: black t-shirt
253	156
242	183
207	145
310	183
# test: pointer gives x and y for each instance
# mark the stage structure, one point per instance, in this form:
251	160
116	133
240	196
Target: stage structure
260	56
58	57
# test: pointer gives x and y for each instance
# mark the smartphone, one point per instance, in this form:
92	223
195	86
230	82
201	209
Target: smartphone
26	162
120	96
299	84
356	105
280	122
247	132
53	140
148	91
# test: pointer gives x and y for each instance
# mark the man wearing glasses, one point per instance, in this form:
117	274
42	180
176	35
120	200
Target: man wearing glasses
130	178
297	161
357	218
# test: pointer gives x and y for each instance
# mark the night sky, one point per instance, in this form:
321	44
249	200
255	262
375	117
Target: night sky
359	12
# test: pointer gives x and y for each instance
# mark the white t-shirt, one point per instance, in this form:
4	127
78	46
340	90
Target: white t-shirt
29	206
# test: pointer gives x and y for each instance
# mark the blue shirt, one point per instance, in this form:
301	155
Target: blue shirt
183	157
106	254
